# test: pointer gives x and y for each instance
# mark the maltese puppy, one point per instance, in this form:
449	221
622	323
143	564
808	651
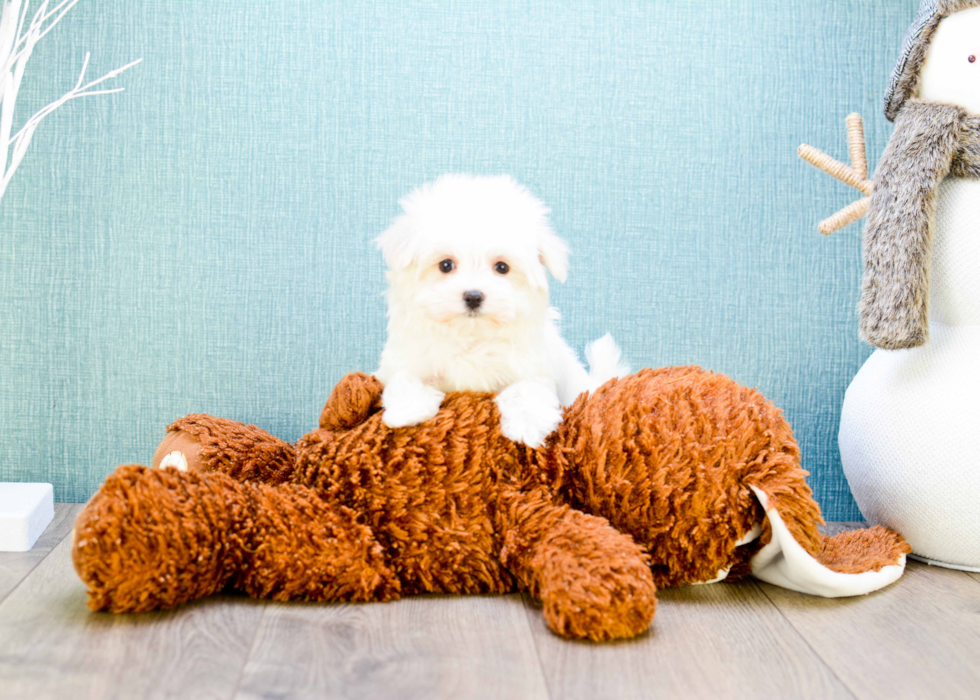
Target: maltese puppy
468	308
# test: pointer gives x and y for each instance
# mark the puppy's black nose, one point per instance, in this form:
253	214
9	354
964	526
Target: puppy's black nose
473	299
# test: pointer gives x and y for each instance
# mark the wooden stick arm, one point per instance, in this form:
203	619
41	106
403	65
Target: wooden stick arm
845	217
859	150
844	173
855	174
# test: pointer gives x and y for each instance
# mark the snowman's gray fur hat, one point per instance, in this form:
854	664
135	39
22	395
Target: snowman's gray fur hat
905	79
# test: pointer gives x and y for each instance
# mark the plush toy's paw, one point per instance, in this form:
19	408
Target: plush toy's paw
179	450
205	444
407	401
141	542
601	601
174	460
593	581
351	402
529	411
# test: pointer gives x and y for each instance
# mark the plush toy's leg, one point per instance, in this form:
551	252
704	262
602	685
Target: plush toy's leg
204	443
157	538
593	580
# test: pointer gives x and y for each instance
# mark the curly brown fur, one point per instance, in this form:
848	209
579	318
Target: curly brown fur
243	452
427	492
154	538
646	481
351	402
593	581
674	470
857	551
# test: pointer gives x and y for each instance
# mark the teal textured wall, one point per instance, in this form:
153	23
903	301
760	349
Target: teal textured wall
201	242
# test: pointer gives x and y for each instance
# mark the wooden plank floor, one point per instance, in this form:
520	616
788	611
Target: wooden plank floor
919	638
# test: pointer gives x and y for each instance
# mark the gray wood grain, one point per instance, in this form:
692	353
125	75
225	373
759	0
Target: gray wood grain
423	647
918	638
15	566
52	645
713	641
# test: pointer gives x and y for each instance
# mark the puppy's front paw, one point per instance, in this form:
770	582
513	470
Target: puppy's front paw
407	401
529	412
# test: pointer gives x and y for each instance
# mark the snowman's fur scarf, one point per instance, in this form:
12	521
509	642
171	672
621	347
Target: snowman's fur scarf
931	141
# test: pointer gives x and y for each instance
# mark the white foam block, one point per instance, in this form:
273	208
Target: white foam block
25	510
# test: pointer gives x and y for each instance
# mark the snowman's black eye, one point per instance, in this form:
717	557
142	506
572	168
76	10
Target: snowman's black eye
501	268
972	59
447	266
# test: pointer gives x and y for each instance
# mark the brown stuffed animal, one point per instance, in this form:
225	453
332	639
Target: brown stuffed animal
662	478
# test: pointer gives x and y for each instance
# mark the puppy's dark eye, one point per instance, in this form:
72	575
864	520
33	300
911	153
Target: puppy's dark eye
501	268
447	266
972	59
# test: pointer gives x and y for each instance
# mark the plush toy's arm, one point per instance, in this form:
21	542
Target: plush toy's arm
593	580
203	443
351	402
894	307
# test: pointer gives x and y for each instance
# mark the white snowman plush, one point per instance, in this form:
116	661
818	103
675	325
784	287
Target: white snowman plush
910	421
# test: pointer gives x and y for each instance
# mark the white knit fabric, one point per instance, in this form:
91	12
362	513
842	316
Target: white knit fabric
954	294
910	423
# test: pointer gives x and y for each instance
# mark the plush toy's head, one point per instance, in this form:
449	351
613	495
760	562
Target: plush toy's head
935	61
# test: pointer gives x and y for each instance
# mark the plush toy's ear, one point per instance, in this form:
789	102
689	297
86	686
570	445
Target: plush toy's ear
395	244
554	254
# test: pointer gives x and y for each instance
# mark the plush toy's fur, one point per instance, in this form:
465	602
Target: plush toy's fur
647	482
930	142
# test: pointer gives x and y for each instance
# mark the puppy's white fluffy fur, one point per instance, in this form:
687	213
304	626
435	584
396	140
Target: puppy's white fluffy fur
510	344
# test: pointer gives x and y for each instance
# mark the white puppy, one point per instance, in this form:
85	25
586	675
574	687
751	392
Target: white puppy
468	308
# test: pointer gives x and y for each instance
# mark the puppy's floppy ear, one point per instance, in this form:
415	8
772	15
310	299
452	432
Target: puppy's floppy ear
395	244
553	252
